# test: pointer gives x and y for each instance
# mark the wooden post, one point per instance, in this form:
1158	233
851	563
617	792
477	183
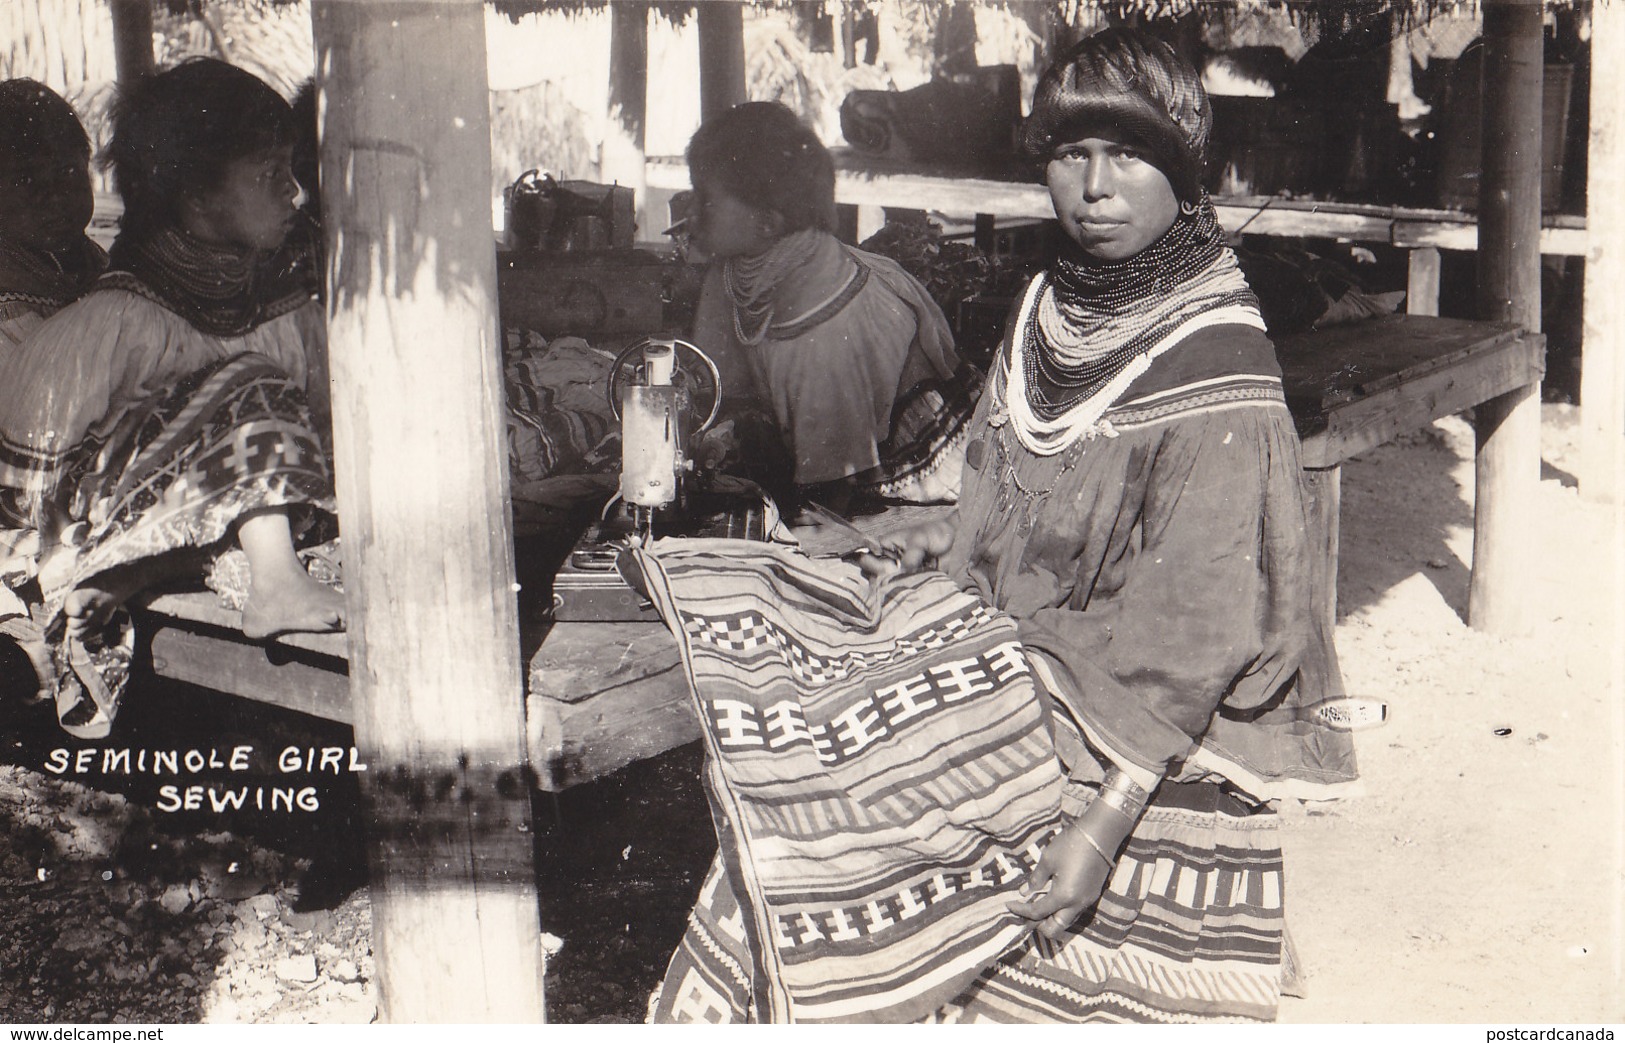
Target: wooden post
849	35
722	56
1422	281
1508	427
132	39
623	160
1602	358
986	235
1323	486
423	500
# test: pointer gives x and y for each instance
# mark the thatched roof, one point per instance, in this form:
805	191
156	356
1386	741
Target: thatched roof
1330	15
1327	16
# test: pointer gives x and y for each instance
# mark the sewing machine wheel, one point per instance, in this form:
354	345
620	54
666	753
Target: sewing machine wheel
695	372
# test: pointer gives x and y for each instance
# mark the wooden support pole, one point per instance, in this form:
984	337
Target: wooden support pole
722	56
986	235
623	160
849	35
1325	498
420	461
1321	678
1602	357
132	39
1508	426
1422	281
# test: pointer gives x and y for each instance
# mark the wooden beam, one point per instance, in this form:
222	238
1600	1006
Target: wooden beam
722	56
420	459
1602	356
266	673
1019	200
1382	413
1508	426
1558	238
603	695
622	161
132	39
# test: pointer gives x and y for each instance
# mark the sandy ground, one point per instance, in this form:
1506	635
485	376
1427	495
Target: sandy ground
1481	876
1479	879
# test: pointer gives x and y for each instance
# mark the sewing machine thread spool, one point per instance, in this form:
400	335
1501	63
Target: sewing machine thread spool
654	421
660	362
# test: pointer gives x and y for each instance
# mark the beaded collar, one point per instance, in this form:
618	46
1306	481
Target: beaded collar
56	279
751	282
1070	357
1092	318
221	291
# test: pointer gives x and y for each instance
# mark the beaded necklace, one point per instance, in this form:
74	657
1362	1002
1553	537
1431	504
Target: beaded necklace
221	291
57	278
750	282
1095	317
1086	330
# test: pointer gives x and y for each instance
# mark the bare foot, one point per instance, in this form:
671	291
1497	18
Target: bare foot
90	606
287	604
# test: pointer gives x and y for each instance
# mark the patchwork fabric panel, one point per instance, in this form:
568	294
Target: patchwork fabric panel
883	781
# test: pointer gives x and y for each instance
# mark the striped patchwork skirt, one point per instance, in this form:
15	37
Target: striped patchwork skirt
1188	929
882	781
176	474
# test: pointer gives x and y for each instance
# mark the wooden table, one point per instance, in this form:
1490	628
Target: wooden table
599	696
1352	388
602	695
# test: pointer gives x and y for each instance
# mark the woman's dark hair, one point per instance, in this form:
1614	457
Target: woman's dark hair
307	142
1130	83
763	155
175	133
35	119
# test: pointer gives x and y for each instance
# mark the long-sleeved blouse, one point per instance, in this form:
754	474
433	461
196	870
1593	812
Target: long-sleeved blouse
1160	569
851	333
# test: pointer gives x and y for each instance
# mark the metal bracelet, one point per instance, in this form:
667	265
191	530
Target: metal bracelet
1090	840
1118	781
1115	800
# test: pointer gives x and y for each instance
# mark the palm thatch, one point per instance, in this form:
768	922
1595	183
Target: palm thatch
1330	16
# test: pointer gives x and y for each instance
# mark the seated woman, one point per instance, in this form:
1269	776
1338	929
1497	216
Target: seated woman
46	260
846	351
168	413
1036	785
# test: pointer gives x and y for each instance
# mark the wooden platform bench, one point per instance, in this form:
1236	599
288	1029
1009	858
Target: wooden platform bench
600	696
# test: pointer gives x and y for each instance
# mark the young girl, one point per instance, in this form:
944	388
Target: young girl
46	260
846	351
169	412
1131	510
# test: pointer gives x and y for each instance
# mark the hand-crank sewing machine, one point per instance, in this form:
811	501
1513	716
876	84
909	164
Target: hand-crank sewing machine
666	393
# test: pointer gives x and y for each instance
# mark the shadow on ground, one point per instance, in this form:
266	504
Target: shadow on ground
1391	488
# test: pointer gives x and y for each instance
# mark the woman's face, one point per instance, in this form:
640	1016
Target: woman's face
46	199
252	207
1109	198
723	225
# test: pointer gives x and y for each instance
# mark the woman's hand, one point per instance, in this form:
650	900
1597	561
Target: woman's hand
913	548
1072	872
1066	883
